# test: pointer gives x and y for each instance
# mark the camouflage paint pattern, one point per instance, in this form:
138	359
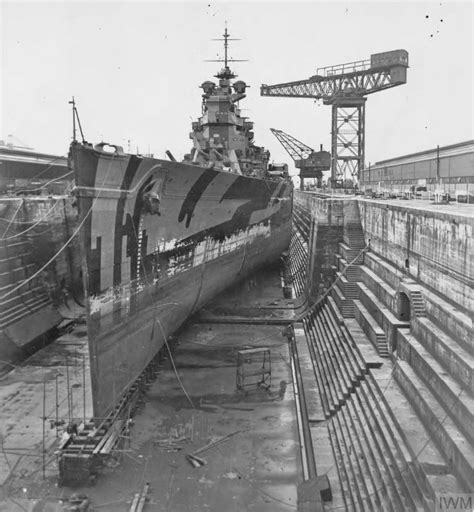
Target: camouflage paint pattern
159	240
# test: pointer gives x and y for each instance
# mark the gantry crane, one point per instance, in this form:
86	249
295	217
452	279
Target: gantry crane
344	87
311	163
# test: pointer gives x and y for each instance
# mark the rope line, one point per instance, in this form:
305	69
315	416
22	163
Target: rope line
157	320
174	366
44	185
71	238
13	217
46	215
48	166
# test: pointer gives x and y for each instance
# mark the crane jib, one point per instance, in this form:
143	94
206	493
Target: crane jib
344	87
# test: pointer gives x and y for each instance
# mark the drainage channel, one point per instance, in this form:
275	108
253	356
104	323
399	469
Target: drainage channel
306	445
314	488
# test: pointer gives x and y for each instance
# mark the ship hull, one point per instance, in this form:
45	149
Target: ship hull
159	240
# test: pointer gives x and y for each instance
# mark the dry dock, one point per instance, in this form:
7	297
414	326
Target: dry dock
36	406
367	405
255	464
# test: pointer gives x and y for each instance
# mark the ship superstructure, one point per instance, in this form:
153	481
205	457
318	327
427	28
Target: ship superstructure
222	138
161	238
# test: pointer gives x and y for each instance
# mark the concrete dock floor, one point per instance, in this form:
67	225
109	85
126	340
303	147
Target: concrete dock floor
256	468
35	389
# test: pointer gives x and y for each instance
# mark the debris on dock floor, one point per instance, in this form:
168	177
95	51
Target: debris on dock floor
197	442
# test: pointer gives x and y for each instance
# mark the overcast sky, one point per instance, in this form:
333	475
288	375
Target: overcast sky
135	69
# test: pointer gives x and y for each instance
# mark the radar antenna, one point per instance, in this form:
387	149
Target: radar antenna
226	72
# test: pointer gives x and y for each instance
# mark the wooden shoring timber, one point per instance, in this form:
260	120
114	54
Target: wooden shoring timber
139	499
102	438
105	443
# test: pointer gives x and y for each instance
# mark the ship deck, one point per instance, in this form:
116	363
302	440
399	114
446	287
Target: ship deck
257	467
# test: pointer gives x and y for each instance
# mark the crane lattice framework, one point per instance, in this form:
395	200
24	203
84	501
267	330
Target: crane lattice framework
295	148
310	163
344	87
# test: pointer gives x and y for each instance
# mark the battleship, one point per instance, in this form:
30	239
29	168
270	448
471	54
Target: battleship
160	238
364	394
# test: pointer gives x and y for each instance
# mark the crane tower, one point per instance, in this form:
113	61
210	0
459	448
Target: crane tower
311	163
344	87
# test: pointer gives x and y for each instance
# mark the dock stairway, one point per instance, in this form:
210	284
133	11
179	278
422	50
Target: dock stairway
362	403
302	221
400	429
432	378
298	262
373	463
417	302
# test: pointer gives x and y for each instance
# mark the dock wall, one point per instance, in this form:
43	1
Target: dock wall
33	232
433	247
397	279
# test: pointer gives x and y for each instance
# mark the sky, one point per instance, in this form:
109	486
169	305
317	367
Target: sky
135	69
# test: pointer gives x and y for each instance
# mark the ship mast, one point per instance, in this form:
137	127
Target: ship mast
226	44
226	72
75	116
222	137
